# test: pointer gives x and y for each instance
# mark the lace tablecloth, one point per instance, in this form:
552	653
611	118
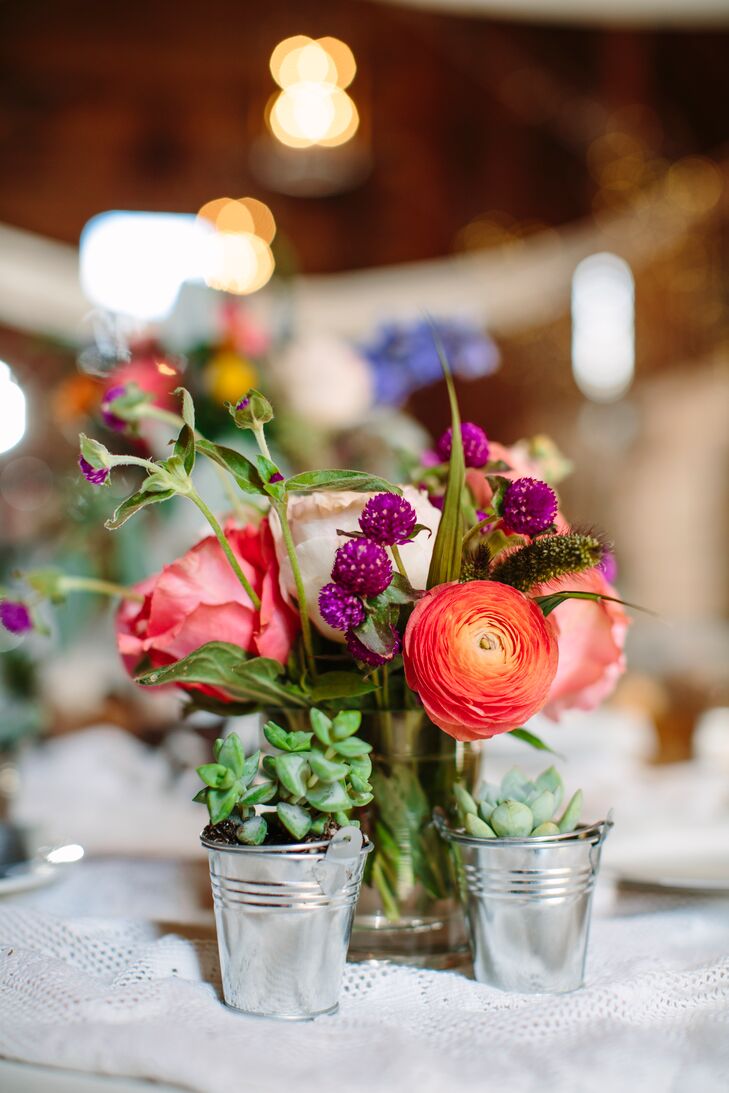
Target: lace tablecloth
122	997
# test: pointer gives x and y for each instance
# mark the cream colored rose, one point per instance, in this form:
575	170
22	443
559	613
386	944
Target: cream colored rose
315	519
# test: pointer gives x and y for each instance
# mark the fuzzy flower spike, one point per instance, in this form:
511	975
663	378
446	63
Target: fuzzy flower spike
475	445
529	506
362	567
388	519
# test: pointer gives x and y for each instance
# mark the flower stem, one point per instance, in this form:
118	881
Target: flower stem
104	588
227	550
262	442
399	563
480	526
280	508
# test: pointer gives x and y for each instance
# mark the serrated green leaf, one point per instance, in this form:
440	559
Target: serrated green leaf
231	754
328	798
135	503
321	725
292	772
295	819
359	481
445	563
221	803
353	746
216	775
252	832
331	685
346	723
325	769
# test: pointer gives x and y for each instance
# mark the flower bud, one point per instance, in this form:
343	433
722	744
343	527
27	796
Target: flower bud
252	411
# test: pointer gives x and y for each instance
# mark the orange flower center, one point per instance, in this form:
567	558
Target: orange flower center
493	646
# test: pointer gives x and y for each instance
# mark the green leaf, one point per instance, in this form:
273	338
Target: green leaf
329	798
216	775
319	825
361	765
243	471
346	724
231	754
351	747
201	797
221	803
464	800
250	768
295	819
292	772
258	795
551	779
376	633
321	724
445	563
252	832
185	448
547	604
358	481
571	815
332	685
134	504
358	784
325	769
275	735
218	746
94	452
533	741
360	798
188	407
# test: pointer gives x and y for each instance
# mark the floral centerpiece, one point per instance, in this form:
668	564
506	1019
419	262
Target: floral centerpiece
446	609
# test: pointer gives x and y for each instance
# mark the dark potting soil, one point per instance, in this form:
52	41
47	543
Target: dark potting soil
225	833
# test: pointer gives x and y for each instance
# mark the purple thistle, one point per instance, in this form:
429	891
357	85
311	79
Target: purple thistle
362	567
366	656
15	617
242	404
97	476
475	445
529	506
388	519
110	418
339	608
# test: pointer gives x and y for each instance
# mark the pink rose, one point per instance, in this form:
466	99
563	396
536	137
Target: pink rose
590	638
198	599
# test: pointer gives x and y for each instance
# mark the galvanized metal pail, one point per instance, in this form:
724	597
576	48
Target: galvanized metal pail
528	904
284	917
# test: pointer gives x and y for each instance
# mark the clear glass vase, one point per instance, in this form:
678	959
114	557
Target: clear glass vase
408	909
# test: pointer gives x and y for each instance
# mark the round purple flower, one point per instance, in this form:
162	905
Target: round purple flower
107	413
529	506
243	403
388	519
276	477
609	567
475	445
339	608
362	567
97	476
15	617
361	653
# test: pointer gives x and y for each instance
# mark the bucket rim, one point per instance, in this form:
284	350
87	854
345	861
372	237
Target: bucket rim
278	849
595	833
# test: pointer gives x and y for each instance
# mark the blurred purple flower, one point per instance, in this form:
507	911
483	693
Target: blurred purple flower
97	476
15	617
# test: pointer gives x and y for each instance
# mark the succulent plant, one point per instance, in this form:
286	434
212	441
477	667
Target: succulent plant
518	807
311	781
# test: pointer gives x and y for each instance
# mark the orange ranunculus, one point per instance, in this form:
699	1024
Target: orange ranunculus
481	656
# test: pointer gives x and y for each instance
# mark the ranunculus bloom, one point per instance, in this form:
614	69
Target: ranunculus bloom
590	637
198	599
315	519
481	656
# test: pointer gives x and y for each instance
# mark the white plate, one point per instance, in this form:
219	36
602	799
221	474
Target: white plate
33	875
689	860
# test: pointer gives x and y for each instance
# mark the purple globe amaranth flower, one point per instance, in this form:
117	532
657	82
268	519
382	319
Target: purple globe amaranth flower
609	567
15	617
97	476
366	656
529	506
241	405
339	608
388	519
475	445
362	567
276	477
107	413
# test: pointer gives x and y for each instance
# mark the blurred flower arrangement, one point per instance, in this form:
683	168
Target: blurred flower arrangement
463	597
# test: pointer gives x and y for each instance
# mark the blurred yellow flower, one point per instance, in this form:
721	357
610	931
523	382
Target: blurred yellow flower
228	376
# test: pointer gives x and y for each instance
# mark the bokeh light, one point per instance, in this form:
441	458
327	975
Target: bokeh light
239	234
312	107
603	327
12	410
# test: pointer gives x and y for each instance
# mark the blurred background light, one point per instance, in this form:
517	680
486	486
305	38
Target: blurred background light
238	256
312	107
603	327
134	263
12	410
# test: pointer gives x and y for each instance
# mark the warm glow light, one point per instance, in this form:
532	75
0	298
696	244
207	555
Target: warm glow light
63	855
603	327
239	257
313	107
12	410
134	263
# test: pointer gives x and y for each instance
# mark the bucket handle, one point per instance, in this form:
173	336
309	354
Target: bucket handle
340	862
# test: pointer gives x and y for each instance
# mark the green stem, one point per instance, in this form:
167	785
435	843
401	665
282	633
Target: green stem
227	550
398	562
94	584
280	508
477	528
158	414
262	442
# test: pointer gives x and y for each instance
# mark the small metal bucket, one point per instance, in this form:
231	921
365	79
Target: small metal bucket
528	906
283	927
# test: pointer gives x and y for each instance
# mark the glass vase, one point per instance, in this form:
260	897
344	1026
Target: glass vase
408	909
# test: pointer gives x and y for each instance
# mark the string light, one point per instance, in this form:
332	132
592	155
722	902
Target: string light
239	234
603	327
313	107
12	410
